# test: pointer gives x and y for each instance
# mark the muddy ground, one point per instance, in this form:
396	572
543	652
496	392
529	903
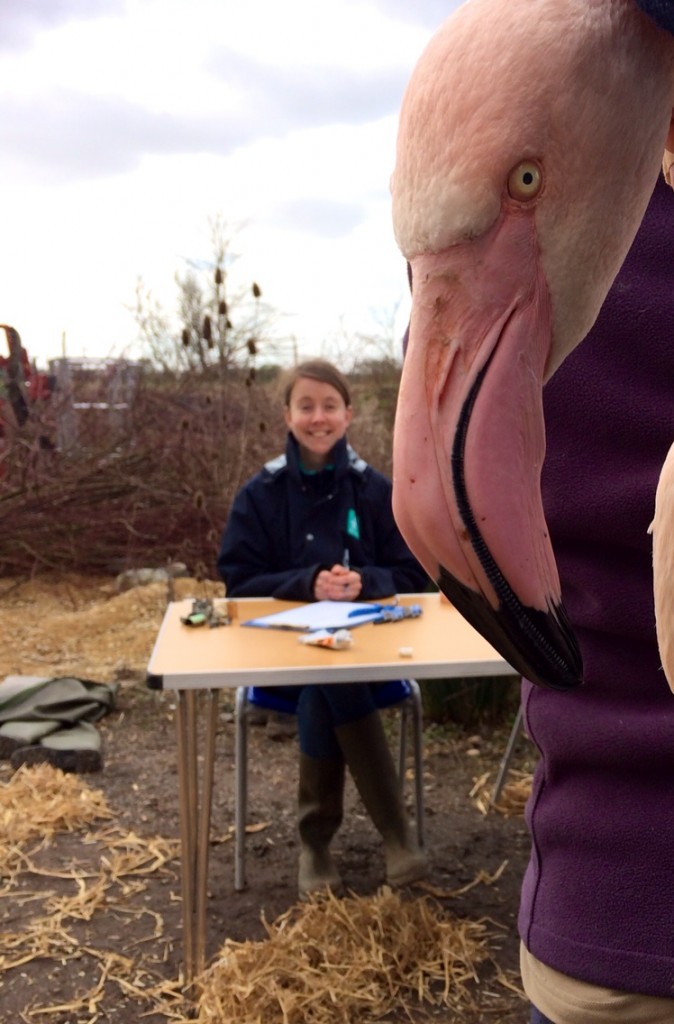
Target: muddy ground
119	959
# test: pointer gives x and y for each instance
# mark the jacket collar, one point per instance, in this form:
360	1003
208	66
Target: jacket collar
340	457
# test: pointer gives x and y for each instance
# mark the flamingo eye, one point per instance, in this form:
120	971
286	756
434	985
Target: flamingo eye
525	181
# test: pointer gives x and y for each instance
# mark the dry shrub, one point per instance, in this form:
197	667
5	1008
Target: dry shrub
150	487
104	489
346	960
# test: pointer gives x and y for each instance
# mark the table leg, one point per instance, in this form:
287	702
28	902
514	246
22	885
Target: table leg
185	720
204	829
195	822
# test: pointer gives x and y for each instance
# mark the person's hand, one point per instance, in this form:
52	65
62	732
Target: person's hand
338	584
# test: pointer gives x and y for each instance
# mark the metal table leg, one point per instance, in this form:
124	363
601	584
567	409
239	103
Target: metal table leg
195	823
204	829
241	784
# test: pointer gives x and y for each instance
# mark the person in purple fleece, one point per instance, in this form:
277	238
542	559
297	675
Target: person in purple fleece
597	910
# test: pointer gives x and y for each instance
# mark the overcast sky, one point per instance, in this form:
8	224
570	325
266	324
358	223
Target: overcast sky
126	126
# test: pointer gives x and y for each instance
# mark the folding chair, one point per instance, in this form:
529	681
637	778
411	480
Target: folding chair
403	694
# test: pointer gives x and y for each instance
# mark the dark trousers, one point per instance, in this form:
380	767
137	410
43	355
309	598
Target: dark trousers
322	709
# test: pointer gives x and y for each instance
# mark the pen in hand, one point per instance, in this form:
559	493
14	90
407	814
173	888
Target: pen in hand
346	562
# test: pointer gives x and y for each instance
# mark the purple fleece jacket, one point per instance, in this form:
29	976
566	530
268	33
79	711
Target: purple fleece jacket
598	895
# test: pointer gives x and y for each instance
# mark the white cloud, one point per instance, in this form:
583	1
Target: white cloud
22	21
128	126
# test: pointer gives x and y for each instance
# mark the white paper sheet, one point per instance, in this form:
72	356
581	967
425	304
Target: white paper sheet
320	615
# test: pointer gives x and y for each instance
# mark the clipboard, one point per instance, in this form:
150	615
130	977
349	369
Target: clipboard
320	615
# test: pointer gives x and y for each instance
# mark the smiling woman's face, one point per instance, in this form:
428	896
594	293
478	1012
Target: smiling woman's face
318	418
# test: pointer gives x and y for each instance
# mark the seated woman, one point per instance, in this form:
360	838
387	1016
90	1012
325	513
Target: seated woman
317	524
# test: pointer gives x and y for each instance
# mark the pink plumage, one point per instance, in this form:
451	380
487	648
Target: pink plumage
530	140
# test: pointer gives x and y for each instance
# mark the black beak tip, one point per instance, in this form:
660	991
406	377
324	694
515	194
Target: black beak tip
540	646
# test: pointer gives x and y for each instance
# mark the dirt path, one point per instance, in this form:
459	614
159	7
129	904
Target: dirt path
111	951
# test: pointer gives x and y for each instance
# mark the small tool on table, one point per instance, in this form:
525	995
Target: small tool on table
398	612
204	612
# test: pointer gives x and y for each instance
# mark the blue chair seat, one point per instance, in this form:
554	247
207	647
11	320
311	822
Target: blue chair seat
284	698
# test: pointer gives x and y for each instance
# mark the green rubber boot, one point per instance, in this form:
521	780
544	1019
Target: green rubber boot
367	754
321	807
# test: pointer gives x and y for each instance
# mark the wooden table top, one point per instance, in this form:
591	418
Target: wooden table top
438	644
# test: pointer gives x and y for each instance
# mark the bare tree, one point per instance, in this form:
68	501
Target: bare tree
218	323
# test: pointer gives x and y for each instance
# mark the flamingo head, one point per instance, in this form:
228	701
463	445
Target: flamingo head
530	140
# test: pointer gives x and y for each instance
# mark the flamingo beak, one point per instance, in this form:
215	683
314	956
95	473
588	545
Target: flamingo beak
470	442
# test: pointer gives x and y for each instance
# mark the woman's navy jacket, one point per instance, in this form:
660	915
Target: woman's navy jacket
286	525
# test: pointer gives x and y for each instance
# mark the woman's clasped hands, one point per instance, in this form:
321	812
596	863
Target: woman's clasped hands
338	584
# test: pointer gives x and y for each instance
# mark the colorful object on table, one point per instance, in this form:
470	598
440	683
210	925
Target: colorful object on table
204	612
340	640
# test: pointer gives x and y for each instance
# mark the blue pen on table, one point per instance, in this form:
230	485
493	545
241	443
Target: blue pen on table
370	610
